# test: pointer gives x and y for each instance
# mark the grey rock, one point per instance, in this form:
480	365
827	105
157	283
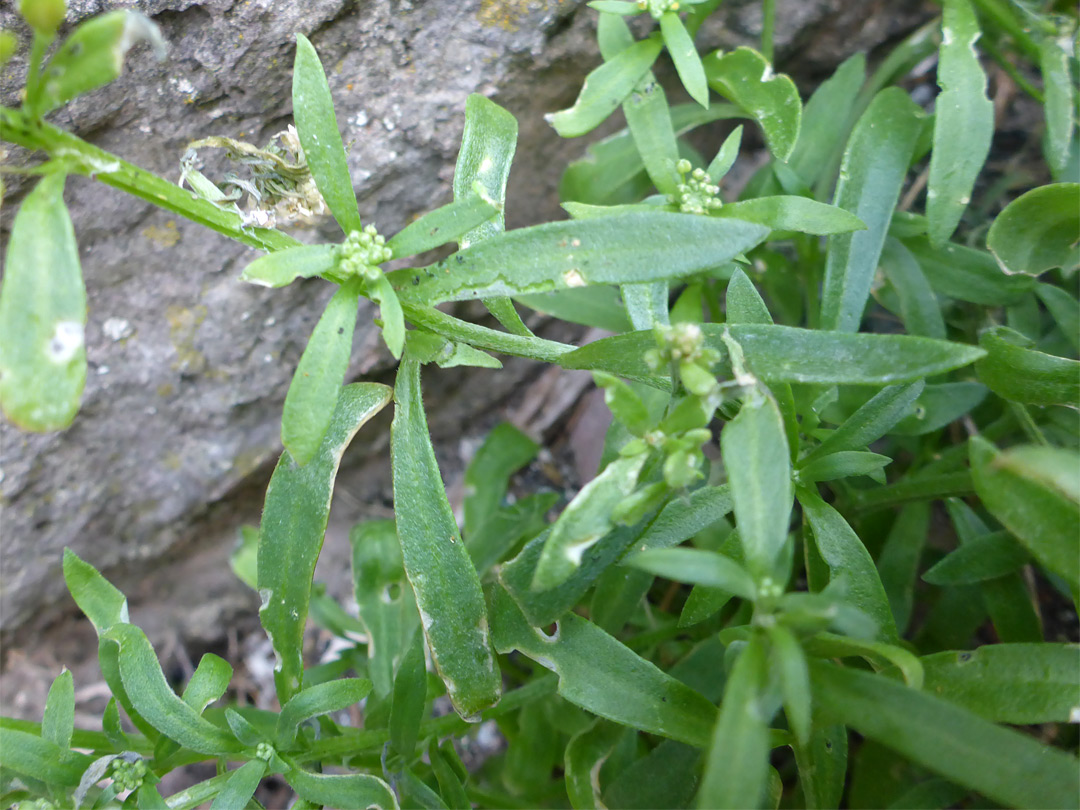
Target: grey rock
189	367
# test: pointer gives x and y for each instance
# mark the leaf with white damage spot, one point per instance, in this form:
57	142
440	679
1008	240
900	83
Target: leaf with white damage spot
446	585
42	314
963	122
641	246
291	533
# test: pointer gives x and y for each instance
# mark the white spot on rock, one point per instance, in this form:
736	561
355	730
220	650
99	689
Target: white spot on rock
117	329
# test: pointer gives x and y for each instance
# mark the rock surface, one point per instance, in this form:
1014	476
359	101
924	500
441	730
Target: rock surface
188	368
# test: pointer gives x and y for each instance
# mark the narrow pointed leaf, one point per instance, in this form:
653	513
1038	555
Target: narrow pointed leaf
725	156
505	450
785	213
680	46
985	557
696	567
42	314
323	698
291	533
646	304
1038	231
410	692
605	677
240	786
737	763
875	164
1004	765
919	307
1014	370
1060	105
393	318
967	274
354	791
283	267
33	756
682	518
559	255
648	117
313	393
605	89
316	124
758	464
790	662
898	562
98	598
845	464
870	422
58	721
747	78
1065	309
447	588
826	118
822	765
584	755
152	697
450	223
963	122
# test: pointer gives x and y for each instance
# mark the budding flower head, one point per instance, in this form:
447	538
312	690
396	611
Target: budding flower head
264	751
657	8
44	16
128	775
694	194
363	251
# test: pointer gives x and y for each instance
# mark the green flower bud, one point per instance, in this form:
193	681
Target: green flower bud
9	43
698	381
44	16
264	751
682	468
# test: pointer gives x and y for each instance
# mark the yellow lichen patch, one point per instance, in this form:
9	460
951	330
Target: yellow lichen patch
165	237
509	14
184	324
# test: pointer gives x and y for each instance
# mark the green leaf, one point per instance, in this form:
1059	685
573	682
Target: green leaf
291	533
1019	684
240	786
283	267
939	405
42	314
879	655
963	122
1041	515
605	89
430	348
826	119
208	683
919	307
33	756
747	78
585	754
898	562
603	676
316	385
354	791
737	762
450	781
1065	310
560	255
845	464
849	562
758	464
155	700
597	306
1013	370
777	354
58	721
967	274
450	223
726	156
442	576
697	567
790	663
98	598
323	698
1004	765
505	451
616	7
649	120
1060	105
313	111
624	403
875	163
680	46
985	557
393	318
410	693
508	527
585	520
646	304
682	518
667	776
93	55
800	214
822	765
1038	231
870	422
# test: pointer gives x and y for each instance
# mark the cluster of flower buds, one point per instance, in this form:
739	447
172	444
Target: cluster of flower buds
127	775
264	751
362	252
657	8
694	194
683	345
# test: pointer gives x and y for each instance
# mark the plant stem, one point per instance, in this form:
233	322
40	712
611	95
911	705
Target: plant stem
768	25
20	128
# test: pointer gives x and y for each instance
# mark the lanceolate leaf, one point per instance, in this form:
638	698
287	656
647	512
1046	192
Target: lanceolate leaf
849	562
313	393
1038	231
788	354
33	756
1060	105
505	450
240	787
785	213
870	422
680	46
1015	371
695	566
354	791
1004	765
963	122
450	223
291	533
919	307
558	255
603	676
152	697
58	721
98	598
313	111
285	266
322	698
967	274
825	119
875	164
42	314
584	755
605	89
747	78
1042	516
442	576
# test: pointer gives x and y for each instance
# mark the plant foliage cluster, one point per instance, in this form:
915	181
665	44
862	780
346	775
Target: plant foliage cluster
802	379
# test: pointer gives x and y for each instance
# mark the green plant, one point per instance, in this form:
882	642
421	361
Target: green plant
771	634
